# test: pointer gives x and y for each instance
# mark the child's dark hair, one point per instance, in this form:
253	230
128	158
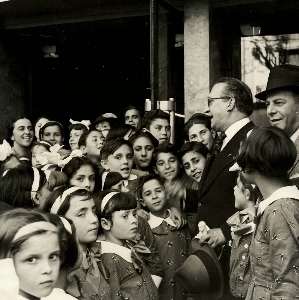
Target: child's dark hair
77	126
119	201
152	115
66	203
165	147
15	219
119	131
111	146
197	118
16	185
109	179
132	107
48	124
75	164
145	134
56	179
145	179
269	151
84	136
193	147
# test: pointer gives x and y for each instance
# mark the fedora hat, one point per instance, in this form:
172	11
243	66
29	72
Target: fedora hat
201	272
282	76
105	117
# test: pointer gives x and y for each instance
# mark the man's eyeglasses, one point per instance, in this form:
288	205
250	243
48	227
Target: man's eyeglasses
210	100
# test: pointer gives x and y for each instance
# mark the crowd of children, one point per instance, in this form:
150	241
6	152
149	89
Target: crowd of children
104	214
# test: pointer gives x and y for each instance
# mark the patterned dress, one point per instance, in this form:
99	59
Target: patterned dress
274	252
242	227
172	244
88	282
125	279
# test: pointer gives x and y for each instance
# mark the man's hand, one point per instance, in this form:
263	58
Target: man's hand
177	217
214	238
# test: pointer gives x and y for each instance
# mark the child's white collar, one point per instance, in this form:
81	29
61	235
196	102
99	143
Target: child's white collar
125	253
157	221
284	192
131	177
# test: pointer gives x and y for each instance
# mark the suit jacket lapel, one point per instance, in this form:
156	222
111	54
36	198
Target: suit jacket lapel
225	157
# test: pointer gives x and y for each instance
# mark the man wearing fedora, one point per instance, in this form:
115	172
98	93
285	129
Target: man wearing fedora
282	101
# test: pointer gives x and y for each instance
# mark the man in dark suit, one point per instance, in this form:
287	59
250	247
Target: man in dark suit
229	104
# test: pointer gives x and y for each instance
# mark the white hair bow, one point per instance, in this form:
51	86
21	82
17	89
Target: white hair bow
75	153
52	157
5	150
86	123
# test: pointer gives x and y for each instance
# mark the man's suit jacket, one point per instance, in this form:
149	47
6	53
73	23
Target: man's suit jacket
295	168
216	201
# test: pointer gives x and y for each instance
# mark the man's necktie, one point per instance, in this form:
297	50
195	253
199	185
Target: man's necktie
219	141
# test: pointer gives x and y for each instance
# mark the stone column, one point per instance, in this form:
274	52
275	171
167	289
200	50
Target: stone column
196	55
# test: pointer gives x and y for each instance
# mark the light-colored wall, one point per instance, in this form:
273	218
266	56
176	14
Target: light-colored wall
196	55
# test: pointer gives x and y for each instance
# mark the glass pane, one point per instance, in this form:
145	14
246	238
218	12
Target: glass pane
260	53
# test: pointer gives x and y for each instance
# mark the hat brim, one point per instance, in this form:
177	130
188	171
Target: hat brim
92	125
263	95
194	246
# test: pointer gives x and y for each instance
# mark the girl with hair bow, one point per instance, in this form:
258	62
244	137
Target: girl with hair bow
121	253
76	129
77	205
34	242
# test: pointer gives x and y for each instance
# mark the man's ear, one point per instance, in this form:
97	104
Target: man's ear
104	164
83	149
106	224
155	170
231	104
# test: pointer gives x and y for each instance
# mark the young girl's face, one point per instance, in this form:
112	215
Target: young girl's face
53	134
160	129
124	224
83	214
38	125
200	133
23	133
37	149
167	166
194	164
94	143
143	152
103	127
240	198
74	138
132	117
120	186
120	161
84	178
153	196
37	264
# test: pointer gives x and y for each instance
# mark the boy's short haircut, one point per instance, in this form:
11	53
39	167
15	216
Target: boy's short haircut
165	147
197	118
254	190
193	147
111	146
144	179
269	151
152	115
